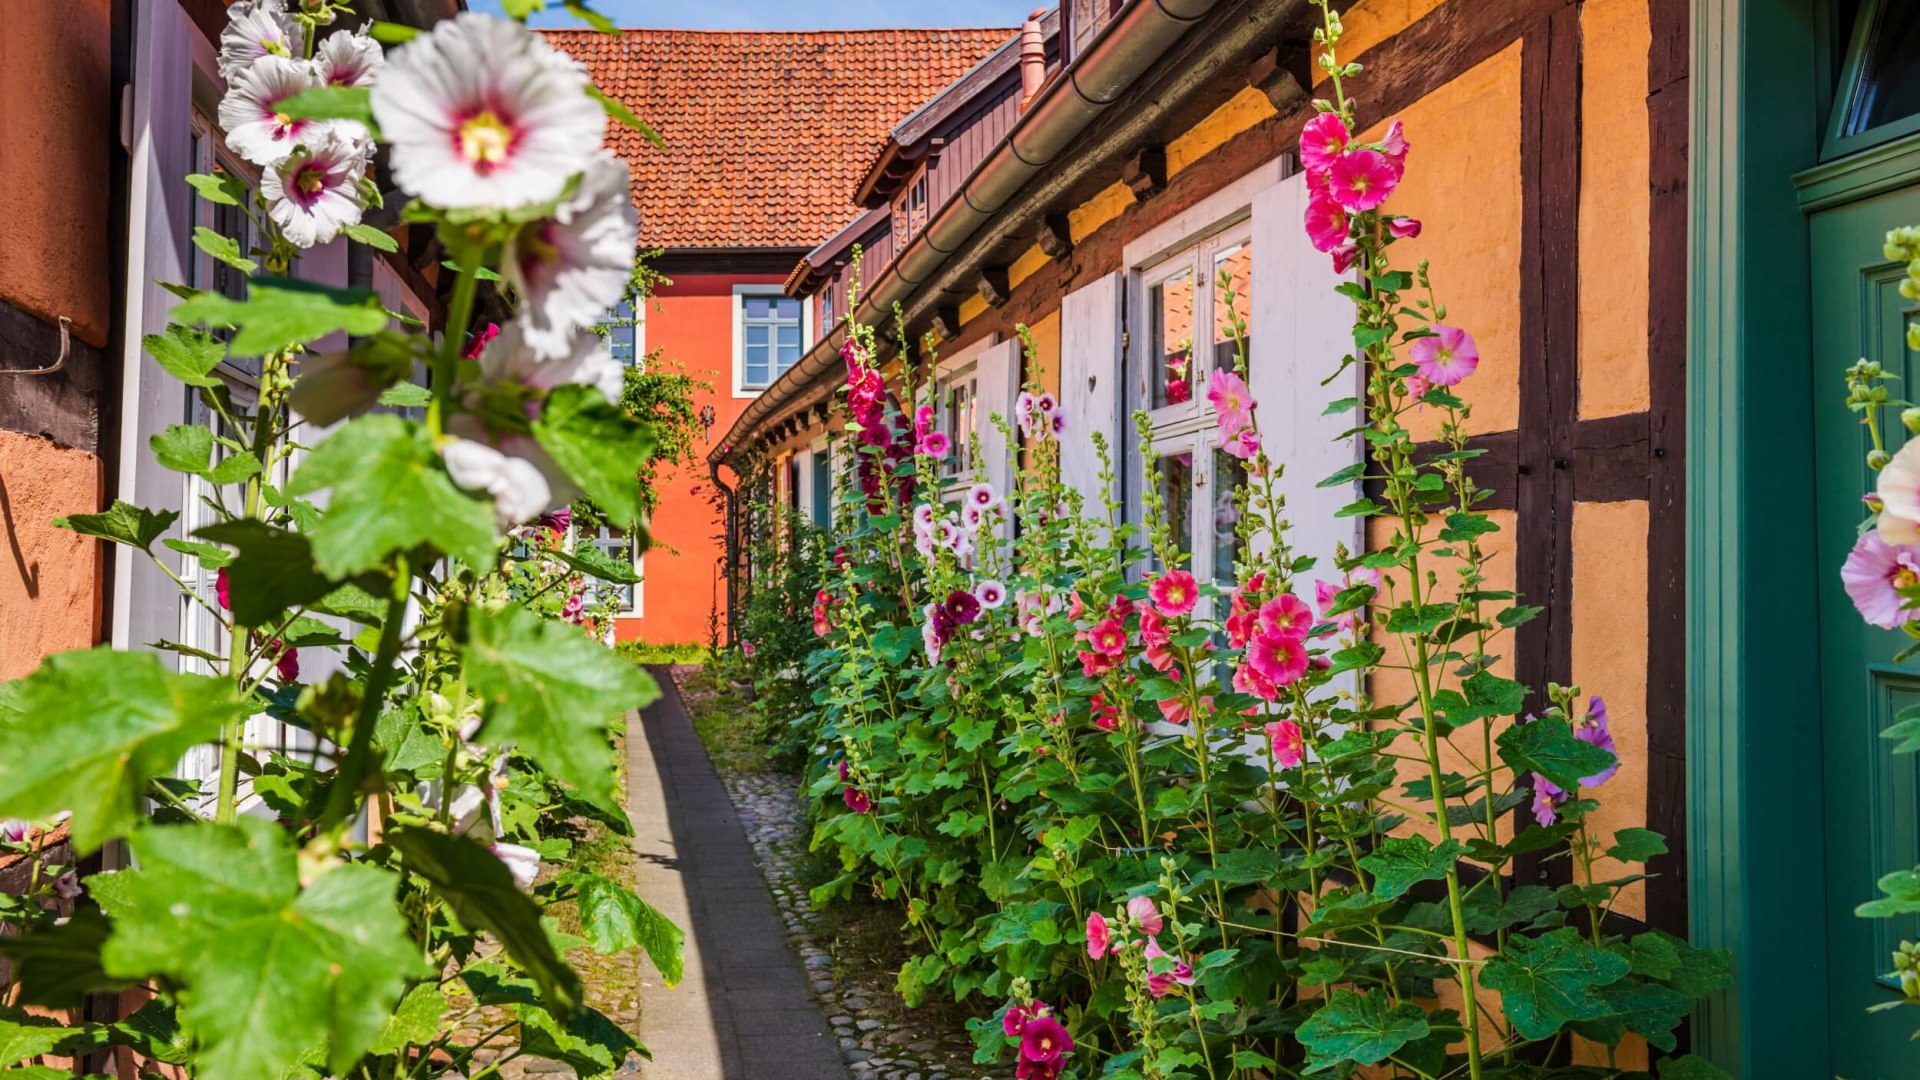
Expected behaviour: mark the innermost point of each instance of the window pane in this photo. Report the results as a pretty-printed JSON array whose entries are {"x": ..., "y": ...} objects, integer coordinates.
[
  {"x": 1232, "y": 302},
  {"x": 790, "y": 335},
  {"x": 1176, "y": 495},
  {"x": 757, "y": 373},
  {"x": 1889, "y": 86},
  {"x": 1171, "y": 372},
  {"x": 785, "y": 309},
  {"x": 1229, "y": 476},
  {"x": 758, "y": 335}
]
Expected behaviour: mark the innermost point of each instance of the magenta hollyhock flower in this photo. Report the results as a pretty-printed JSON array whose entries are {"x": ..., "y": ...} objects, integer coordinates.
[
  {"x": 1404, "y": 228},
  {"x": 1096, "y": 664},
  {"x": 1346, "y": 257},
  {"x": 1178, "y": 392},
  {"x": 1247, "y": 679},
  {"x": 1244, "y": 444},
  {"x": 1874, "y": 574},
  {"x": 857, "y": 800},
  {"x": 1106, "y": 715},
  {"x": 1289, "y": 745},
  {"x": 1361, "y": 180},
  {"x": 221, "y": 589},
  {"x": 845, "y": 771},
  {"x": 1099, "y": 938},
  {"x": 1279, "y": 658},
  {"x": 1018, "y": 1016},
  {"x": 935, "y": 445},
  {"x": 1447, "y": 357},
  {"x": 1327, "y": 223},
  {"x": 1036, "y": 1070},
  {"x": 1162, "y": 984},
  {"x": 1232, "y": 402},
  {"x": 1394, "y": 145},
  {"x": 1045, "y": 1041},
  {"x": 1174, "y": 710},
  {"x": 1145, "y": 914},
  {"x": 1322, "y": 142},
  {"x": 1108, "y": 636},
  {"x": 288, "y": 665},
  {"x": 1175, "y": 593},
  {"x": 962, "y": 607},
  {"x": 1286, "y": 615},
  {"x": 922, "y": 421},
  {"x": 1153, "y": 629}
]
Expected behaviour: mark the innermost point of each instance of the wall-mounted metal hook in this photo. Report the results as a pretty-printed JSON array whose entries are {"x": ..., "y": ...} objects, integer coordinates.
[{"x": 66, "y": 349}]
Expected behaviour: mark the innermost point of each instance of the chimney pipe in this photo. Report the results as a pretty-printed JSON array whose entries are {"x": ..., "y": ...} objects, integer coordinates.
[{"x": 1033, "y": 58}]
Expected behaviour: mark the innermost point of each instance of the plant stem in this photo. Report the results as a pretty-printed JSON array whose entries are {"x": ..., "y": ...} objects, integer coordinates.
[
  {"x": 353, "y": 770},
  {"x": 459, "y": 314}
]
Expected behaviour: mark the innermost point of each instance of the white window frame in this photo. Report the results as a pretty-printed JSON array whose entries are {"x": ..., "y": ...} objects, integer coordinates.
[
  {"x": 961, "y": 370},
  {"x": 637, "y": 608},
  {"x": 639, "y": 329},
  {"x": 740, "y": 295}
]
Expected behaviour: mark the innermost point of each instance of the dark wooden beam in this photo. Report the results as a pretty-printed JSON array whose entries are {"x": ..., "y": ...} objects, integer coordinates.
[
  {"x": 1056, "y": 236},
  {"x": 1146, "y": 172},
  {"x": 1283, "y": 73},
  {"x": 993, "y": 286},
  {"x": 946, "y": 322}
]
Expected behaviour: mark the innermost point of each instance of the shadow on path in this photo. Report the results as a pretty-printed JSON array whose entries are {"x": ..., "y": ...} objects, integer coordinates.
[{"x": 743, "y": 1011}]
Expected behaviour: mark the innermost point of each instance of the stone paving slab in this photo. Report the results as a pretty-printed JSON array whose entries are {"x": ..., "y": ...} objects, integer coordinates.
[{"x": 743, "y": 1011}]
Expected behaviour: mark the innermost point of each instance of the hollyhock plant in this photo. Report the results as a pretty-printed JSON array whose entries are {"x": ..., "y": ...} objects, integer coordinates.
[
  {"x": 571, "y": 267},
  {"x": 347, "y": 59},
  {"x": 1099, "y": 937},
  {"x": 1145, "y": 915},
  {"x": 856, "y": 800},
  {"x": 1174, "y": 593},
  {"x": 1232, "y": 402},
  {"x": 1322, "y": 142},
  {"x": 1874, "y": 575},
  {"x": 250, "y": 113},
  {"x": 991, "y": 594},
  {"x": 519, "y": 490},
  {"x": 1287, "y": 743},
  {"x": 317, "y": 190},
  {"x": 1898, "y": 489},
  {"x": 482, "y": 112},
  {"x": 1361, "y": 180},
  {"x": 1446, "y": 357},
  {"x": 256, "y": 29},
  {"x": 1328, "y": 225},
  {"x": 1287, "y": 616}
]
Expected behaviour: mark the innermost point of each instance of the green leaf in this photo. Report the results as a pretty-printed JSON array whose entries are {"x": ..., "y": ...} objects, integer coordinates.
[
  {"x": 619, "y": 111},
  {"x": 332, "y": 103},
  {"x": 1362, "y": 1028},
  {"x": 551, "y": 690},
  {"x": 1549, "y": 981},
  {"x": 183, "y": 448},
  {"x": 615, "y": 920},
  {"x": 58, "y": 965},
  {"x": 1547, "y": 746},
  {"x": 1690, "y": 1068},
  {"x": 1242, "y": 866},
  {"x": 588, "y": 1041},
  {"x": 1649, "y": 1010},
  {"x": 269, "y": 972},
  {"x": 223, "y": 189},
  {"x": 598, "y": 445},
  {"x": 405, "y": 744},
  {"x": 1637, "y": 845},
  {"x": 406, "y": 396},
  {"x": 1902, "y": 896},
  {"x": 122, "y": 523},
  {"x": 392, "y": 33},
  {"x": 1463, "y": 526},
  {"x": 153, "y": 1031},
  {"x": 1487, "y": 914},
  {"x": 481, "y": 893},
  {"x": 31, "y": 1038},
  {"x": 594, "y": 562},
  {"x": 416, "y": 1021},
  {"x": 233, "y": 469},
  {"x": 1905, "y": 729},
  {"x": 223, "y": 249},
  {"x": 273, "y": 572},
  {"x": 390, "y": 493},
  {"x": 1421, "y": 619},
  {"x": 93, "y": 727},
  {"x": 1400, "y": 862},
  {"x": 187, "y": 354},
  {"x": 281, "y": 312},
  {"x": 372, "y": 237}
]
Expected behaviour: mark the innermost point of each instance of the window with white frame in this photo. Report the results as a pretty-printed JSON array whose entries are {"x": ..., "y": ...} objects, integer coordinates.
[
  {"x": 769, "y": 336},
  {"x": 613, "y": 543},
  {"x": 958, "y": 419},
  {"x": 1192, "y": 302},
  {"x": 623, "y": 334}
]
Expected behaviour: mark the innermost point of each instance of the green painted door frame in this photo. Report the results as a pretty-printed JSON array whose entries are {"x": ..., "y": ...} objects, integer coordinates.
[{"x": 1753, "y": 695}]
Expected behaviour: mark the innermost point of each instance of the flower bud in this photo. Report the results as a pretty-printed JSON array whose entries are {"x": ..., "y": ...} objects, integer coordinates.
[{"x": 1878, "y": 459}]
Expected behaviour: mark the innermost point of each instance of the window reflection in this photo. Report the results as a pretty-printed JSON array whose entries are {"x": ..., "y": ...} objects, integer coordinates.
[
  {"x": 1232, "y": 302},
  {"x": 1888, "y": 87},
  {"x": 1229, "y": 476},
  {"x": 1176, "y": 494},
  {"x": 1172, "y": 372}
]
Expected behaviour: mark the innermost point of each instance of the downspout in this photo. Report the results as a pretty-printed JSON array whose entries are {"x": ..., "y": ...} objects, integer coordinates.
[{"x": 733, "y": 547}]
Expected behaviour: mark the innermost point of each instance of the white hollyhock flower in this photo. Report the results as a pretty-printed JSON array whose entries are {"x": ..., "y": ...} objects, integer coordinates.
[
  {"x": 316, "y": 191},
  {"x": 348, "y": 59},
  {"x": 257, "y": 28},
  {"x": 250, "y": 113},
  {"x": 518, "y": 489},
  {"x": 483, "y": 112},
  {"x": 522, "y": 862},
  {"x": 521, "y": 447},
  {"x": 1899, "y": 491},
  {"x": 569, "y": 269},
  {"x": 584, "y": 360}
]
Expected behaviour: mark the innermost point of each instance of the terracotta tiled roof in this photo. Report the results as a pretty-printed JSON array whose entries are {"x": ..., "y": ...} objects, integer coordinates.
[{"x": 767, "y": 134}]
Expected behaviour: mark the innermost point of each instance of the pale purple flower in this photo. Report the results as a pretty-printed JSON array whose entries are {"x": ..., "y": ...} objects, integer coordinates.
[
  {"x": 251, "y": 116},
  {"x": 318, "y": 189},
  {"x": 256, "y": 29},
  {"x": 991, "y": 594},
  {"x": 1874, "y": 574},
  {"x": 983, "y": 496},
  {"x": 522, "y": 862}
]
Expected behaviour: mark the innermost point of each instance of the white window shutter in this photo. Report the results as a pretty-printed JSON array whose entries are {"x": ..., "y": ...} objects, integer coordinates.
[
  {"x": 1090, "y": 380},
  {"x": 997, "y": 384},
  {"x": 1300, "y": 330}
]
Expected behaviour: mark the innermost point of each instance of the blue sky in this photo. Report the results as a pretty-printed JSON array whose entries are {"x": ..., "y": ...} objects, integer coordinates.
[{"x": 790, "y": 14}]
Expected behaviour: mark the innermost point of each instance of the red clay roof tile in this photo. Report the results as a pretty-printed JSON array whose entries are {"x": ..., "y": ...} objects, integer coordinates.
[{"x": 767, "y": 133}]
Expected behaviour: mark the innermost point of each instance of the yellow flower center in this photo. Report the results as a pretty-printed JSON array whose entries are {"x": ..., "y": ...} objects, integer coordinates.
[
  {"x": 485, "y": 139},
  {"x": 1905, "y": 578},
  {"x": 311, "y": 181},
  {"x": 281, "y": 119},
  {"x": 276, "y": 47}
]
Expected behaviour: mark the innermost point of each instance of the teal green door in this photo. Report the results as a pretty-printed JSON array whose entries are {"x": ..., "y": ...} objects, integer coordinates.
[{"x": 1871, "y": 797}]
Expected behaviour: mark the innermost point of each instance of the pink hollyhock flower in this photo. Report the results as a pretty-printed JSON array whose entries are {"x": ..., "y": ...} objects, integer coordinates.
[
  {"x": 221, "y": 589},
  {"x": 1874, "y": 574},
  {"x": 1119, "y": 607},
  {"x": 1361, "y": 180},
  {"x": 1106, "y": 715},
  {"x": 935, "y": 445},
  {"x": 1174, "y": 710},
  {"x": 1546, "y": 800},
  {"x": 1096, "y": 664},
  {"x": 477, "y": 343},
  {"x": 1403, "y": 228},
  {"x": 1286, "y": 615},
  {"x": 1394, "y": 145},
  {"x": 1153, "y": 629},
  {"x": 1160, "y": 658},
  {"x": 1045, "y": 1041},
  {"x": 1281, "y": 659},
  {"x": 1447, "y": 357},
  {"x": 1244, "y": 444},
  {"x": 1057, "y": 422},
  {"x": 857, "y": 800},
  {"x": 746, "y": 649},
  {"x": 1240, "y": 628},
  {"x": 922, "y": 421},
  {"x": 1232, "y": 402},
  {"x": 845, "y": 771},
  {"x": 1346, "y": 257},
  {"x": 1325, "y": 593},
  {"x": 1099, "y": 938},
  {"x": 1247, "y": 679},
  {"x": 1108, "y": 636},
  {"x": 1077, "y": 607},
  {"x": 991, "y": 594},
  {"x": 288, "y": 665},
  {"x": 983, "y": 496},
  {"x": 1289, "y": 746},
  {"x": 1898, "y": 489},
  {"x": 1145, "y": 914},
  {"x": 1327, "y": 223},
  {"x": 1417, "y": 387},
  {"x": 1595, "y": 729},
  {"x": 1322, "y": 142},
  {"x": 1178, "y": 392},
  {"x": 1162, "y": 984},
  {"x": 1175, "y": 593}
]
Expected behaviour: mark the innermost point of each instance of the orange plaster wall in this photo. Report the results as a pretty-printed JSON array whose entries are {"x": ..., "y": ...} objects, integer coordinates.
[
  {"x": 1463, "y": 183},
  {"x": 1610, "y": 659},
  {"x": 55, "y": 133},
  {"x": 691, "y": 323},
  {"x": 49, "y": 577},
  {"x": 1046, "y": 353},
  {"x": 1615, "y": 208}
]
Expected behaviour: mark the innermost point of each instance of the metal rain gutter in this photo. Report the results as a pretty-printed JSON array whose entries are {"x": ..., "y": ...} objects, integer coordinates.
[{"x": 1066, "y": 107}]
